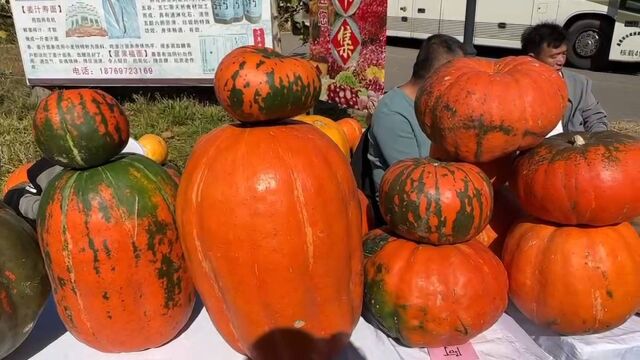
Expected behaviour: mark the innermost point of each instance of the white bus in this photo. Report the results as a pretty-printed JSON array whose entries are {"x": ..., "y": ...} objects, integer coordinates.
[{"x": 598, "y": 30}]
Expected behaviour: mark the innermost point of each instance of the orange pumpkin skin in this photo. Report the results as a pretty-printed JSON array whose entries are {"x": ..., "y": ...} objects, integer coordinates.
[
  {"x": 257, "y": 84},
  {"x": 17, "y": 177},
  {"x": 368, "y": 219},
  {"x": 352, "y": 129},
  {"x": 434, "y": 202},
  {"x": 506, "y": 210},
  {"x": 329, "y": 128},
  {"x": 574, "y": 280},
  {"x": 481, "y": 110},
  {"x": 274, "y": 246},
  {"x": 414, "y": 301},
  {"x": 589, "y": 184},
  {"x": 498, "y": 170}
]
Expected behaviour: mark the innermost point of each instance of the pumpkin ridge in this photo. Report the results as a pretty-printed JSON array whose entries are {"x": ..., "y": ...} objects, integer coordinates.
[
  {"x": 67, "y": 136},
  {"x": 68, "y": 257},
  {"x": 380, "y": 305},
  {"x": 442, "y": 219},
  {"x": 161, "y": 189},
  {"x": 103, "y": 116},
  {"x": 236, "y": 95}
]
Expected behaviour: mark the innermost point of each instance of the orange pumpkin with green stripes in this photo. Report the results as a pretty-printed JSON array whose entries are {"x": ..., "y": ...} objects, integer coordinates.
[
  {"x": 112, "y": 252},
  {"x": 431, "y": 296},
  {"x": 480, "y": 110},
  {"x": 80, "y": 128},
  {"x": 259, "y": 84},
  {"x": 434, "y": 202}
]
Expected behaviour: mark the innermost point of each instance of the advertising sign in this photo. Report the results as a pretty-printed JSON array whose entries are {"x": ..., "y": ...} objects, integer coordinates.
[
  {"x": 134, "y": 42},
  {"x": 348, "y": 43}
]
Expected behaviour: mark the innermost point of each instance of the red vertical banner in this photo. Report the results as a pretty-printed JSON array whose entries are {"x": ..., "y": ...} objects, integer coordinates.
[{"x": 348, "y": 42}]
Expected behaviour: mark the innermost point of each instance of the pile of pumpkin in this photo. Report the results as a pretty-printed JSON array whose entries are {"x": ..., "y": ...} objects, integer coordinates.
[
  {"x": 106, "y": 234},
  {"x": 562, "y": 204},
  {"x": 267, "y": 224}
]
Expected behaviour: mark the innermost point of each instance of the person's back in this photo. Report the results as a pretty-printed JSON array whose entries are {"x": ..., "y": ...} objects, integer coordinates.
[{"x": 395, "y": 133}]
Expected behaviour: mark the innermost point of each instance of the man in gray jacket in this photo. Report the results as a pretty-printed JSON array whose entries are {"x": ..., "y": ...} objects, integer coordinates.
[{"x": 547, "y": 42}]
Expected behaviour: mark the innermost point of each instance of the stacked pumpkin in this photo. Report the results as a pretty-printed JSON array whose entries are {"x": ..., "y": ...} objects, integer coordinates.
[
  {"x": 431, "y": 279},
  {"x": 428, "y": 281},
  {"x": 269, "y": 216},
  {"x": 580, "y": 190},
  {"x": 107, "y": 229},
  {"x": 575, "y": 187}
]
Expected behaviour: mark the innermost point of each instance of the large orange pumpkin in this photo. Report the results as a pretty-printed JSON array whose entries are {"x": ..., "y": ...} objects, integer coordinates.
[
  {"x": 257, "y": 84},
  {"x": 581, "y": 178},
  {"x": 331, "y": 129},
  {"x": 574, "y": 280},
  {"x": 481, "y": 110},
  {"x": 17, "y": 177},
  {"x": 432, "y": 296},
  {"x": 434, "y": 202},
  {"x": 270, "y": 220}
]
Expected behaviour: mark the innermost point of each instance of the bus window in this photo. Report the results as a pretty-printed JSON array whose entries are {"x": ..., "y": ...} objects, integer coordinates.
[{"x": 630, "y": 5}]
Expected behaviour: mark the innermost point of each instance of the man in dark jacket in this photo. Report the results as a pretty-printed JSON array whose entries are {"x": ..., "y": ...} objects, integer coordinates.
[{"x": 547, "y": 42}]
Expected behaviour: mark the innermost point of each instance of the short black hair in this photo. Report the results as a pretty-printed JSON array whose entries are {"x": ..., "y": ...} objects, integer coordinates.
[
  {"x": 535, "y": 38},
  {"x": 432, "y": 48}
]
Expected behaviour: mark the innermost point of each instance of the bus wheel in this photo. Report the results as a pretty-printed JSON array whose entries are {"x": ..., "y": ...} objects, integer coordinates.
[{"x": 589, "y": 43}]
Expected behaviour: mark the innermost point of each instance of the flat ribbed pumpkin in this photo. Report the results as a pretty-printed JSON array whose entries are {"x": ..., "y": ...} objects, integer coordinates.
[
  {"x": 432, "y": 296},
  {"x": 259, "y": 84},
  {"x": 24, "y": 286},
  {"x": 80, "y": 128},
  {"x": 270, "y": 221},
  {"x": 574, "y": 280},
  {"x": 113, "y": 255},
  {"x": 480, "y": 109},
  {"x": 581, "y": 178},
  {"x": 434, "y": 202}
]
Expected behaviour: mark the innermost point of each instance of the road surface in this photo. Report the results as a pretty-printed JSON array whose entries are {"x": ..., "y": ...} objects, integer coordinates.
[{"x": 617, "y": 90}]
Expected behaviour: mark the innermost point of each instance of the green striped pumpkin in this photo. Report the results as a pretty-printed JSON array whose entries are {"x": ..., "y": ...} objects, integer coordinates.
[
  {"x": 80, "y": 128},
  {"x": 24, "y": 286},
  {"x": 112, "y": 251},
  {"x": 434, "y": 202}
]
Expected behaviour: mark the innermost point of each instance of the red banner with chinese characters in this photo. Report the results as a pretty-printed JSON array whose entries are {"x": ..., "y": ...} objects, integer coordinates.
[{"x": 348, "y": 43}]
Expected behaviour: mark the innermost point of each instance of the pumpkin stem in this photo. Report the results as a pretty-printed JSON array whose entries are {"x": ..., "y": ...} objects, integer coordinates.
[{"x": 577, "y": 140}]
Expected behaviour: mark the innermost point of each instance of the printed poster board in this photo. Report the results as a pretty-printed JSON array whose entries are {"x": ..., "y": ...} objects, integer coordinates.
[
  {"x": 348, "y": 41},
  {"x": 134, "y": 42}
]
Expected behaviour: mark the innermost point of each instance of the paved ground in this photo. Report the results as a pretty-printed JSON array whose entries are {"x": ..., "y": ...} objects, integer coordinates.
[{"x": 618, "y": 90}]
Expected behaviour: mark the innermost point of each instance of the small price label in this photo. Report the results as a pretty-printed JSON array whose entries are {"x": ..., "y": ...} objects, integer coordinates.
[{"x": 458, "y": 352}]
